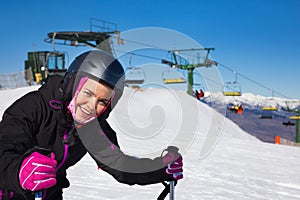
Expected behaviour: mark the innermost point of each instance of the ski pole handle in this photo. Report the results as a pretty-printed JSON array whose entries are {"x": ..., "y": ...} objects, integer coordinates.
[
  {"x": 173, "y": 149},
  {"x": 42, "y": 150},
  {"x": 46, "y": 152}
]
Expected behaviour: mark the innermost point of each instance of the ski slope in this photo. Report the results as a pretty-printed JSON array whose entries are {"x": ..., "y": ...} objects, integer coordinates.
[{"x": 221, "y": 161}]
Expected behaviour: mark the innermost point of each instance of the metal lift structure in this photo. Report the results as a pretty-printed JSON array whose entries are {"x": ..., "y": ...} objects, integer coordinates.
[
  {"x": 295, "y": 117},
  {"x": 134, "y": 76},
  {"x": 97, "y": 37},
  {"x": 169, "y": 77},
  {"x": 187, "y": 66},
  {"x": 232, "y": 88},
  {"x": 45, "y": 63},
  {"x": 269, "y": 107}
]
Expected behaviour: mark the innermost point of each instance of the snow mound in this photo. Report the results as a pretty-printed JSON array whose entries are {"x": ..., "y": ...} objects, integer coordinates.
[{"x": 221, "y": 161}]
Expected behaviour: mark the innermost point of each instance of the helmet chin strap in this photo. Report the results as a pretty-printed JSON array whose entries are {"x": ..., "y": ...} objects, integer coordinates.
[{"x": 72, "y": 105}]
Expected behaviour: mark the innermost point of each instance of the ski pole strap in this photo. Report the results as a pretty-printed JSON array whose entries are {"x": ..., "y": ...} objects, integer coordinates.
[{"x": 165, "y": 191}]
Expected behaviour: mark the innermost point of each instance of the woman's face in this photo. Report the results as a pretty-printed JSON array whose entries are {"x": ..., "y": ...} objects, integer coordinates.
[{"x": 91, "y": 100}]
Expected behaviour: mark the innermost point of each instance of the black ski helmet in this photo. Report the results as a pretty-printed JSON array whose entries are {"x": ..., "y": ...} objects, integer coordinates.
[{"x": 98, "y": 65}]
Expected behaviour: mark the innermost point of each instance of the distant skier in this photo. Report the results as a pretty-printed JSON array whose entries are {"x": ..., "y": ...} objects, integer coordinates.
[
  {"x": 231, "y": 107},
  {"x": 200, "y": 94},
  {"x": 289, "y": 123},
  {"x": 45, "y": 132},
  {"x": 239, "y": 109}
]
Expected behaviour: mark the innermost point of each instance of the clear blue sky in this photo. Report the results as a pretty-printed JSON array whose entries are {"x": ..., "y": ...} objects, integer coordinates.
[{"x": 258, "y": 38}]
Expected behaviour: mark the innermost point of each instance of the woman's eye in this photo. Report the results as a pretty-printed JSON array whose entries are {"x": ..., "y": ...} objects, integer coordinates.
[
  {"x": 102, "y": 103},
  {"x": 87, "y": 93}
]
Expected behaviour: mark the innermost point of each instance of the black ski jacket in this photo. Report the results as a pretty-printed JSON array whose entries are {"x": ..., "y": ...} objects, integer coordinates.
[{"x": 39, "y": 119}]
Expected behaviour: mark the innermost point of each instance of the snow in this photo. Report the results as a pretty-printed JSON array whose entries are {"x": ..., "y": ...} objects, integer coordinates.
[{"x": 221, "y": 161}]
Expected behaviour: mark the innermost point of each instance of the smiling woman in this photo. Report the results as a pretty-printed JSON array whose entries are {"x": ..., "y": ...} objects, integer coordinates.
[
  {"x": 92, "y": 100},
  {"x": 46, "y": 131}
]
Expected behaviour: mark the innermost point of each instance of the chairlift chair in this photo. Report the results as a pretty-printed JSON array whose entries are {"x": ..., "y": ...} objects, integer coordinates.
[
  {"x": 232, "y": 89},
  {"x": 169, "y": 77},
  {"x": 134, "y": 75},
  {"x": 267, "y": 113},
  {"x": 297, "y": 117},
  {"x": 268, "y": 108},
  {"x": 288, "y": 123},
  {"x": 270, "y": 104}
]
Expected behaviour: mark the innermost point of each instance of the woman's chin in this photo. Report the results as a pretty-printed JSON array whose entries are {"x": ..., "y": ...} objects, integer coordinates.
[{"x": 84, "y": 119}]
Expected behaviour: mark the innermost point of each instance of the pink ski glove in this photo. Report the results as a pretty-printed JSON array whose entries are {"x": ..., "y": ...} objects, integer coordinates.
[
  {"x": 174, "y": 165},
  {"x": 38, "y": 172}
]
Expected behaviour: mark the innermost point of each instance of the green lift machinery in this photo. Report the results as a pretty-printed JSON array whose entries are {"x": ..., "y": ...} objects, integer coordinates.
[
  {"x": 45, "y": 63},
  {"x": 189, "y": 67}
]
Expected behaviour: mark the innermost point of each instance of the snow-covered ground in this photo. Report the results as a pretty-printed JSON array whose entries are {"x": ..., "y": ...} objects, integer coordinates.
[{"x": 221, "y": 161}]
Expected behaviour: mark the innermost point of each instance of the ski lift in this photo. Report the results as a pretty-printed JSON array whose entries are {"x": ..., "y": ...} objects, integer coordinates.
[
  {"x": 270, "y": 104},
  {"x": 267, "y": 114},
  {"x": 171, "y": 77},
  {"x": 296, "y": 117},
  {"x": 293, "y": 106},
  {"x": 288, "y": 123},
  {"x": 232, "y": 88},
  {"x": 134, "y": 75},
  {"x": 268, "y": 108}
]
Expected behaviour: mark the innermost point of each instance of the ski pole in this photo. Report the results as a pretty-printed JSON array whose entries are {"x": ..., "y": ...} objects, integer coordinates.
[
  {"x": 172, "y": 190},
  {"x": 169, "y": 188},
  {"x": 44, "y": 151},
  {"x": 174, "y": 150}
]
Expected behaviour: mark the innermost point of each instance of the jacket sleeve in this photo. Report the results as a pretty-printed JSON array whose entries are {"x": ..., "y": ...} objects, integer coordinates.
[
  {"x": 131, "y": 170},
  {"x": 16, "y": 137},
  {"x": 124, "y": 168}
]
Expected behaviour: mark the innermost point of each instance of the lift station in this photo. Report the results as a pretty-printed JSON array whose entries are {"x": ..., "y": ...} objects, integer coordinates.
[{"x": 45, "y": 63}]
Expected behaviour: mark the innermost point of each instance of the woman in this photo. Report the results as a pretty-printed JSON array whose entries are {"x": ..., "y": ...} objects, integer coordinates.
[{"x": 46, "y": 131}]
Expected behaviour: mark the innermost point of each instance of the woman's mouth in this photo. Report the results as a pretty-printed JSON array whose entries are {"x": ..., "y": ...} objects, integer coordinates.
[{"x": 86, "y": 113}]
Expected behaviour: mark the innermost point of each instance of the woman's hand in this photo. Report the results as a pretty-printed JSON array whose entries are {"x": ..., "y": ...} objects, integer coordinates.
[
  {"x": 173, "y": 161},
  {"x": 38, "y": 172}
]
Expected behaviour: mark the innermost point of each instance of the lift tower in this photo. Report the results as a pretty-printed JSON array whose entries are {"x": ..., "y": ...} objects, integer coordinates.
[
  {"x": 190, "y": 67},
  {"x": 296, "y": 117}
]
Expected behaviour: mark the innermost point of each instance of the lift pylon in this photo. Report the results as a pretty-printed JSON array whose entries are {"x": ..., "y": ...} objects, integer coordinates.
[
  {"x": 296, "y": 117},
  {"x": 187, "y": 66}
]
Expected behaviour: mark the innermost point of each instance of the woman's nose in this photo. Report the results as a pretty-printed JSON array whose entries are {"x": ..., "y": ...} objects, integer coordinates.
[{"x": 92, "y": 104}]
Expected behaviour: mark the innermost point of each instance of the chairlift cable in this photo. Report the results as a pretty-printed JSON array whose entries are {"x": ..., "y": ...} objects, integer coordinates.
[
  {"x": 219, "y": 64},
  {"x": 141, "y": 55},
  {"x": 251, "y": 80}
]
